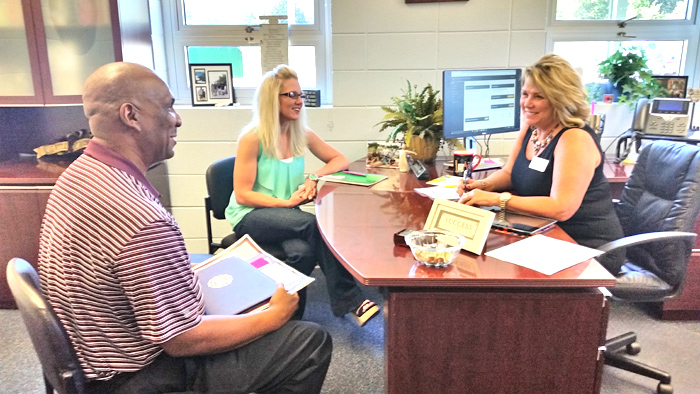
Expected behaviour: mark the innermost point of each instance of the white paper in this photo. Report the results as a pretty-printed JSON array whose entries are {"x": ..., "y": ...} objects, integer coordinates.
[
  {"x": 445, "y": 193},
  {"x": 274, "y": 46},
  {"x": 283, "y": 273},
  {"x": 544, "y": 254},
  {"x": 247, "y": 250}
]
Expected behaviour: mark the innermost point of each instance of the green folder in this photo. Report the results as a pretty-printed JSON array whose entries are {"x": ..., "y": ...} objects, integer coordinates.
[{"x": 352, "y": 179}]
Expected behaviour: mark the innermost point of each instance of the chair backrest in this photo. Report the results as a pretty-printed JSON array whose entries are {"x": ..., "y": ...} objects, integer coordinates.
[
  {"x": 220, "y": 185},
  {"x": 662, "y": 194},
  {"x": 59, "y": 363}
]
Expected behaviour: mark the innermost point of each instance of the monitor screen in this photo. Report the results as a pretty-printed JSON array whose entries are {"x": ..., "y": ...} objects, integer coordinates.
[{"x": 480, "y": 102}]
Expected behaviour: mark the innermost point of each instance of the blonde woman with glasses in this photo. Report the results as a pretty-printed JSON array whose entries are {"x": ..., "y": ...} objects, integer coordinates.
[{"x": 269, "y": 186}]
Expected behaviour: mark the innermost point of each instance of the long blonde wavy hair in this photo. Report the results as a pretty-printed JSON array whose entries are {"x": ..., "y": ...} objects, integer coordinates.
[
  {"x": 266, "y": 115},
  {"x": 559, "y": 83}
]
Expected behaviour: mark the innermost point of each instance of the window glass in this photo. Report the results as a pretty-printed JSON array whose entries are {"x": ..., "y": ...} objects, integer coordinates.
[
  {"x": 246, "y": 65},
  {"x": 246, "y": 12},
  {"x": 78, "y": 40},
  {"x": 622, "y": 9},
  {"x": 664, "y": 57},
  {"x": 227, "y": 31}
]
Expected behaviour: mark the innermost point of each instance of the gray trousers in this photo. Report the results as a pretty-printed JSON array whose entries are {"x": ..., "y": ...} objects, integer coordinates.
[{"x": 293, "y": 359}]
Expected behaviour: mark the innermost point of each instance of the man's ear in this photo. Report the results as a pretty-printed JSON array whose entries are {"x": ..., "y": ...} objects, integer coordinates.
[{"x": 129, "y": 115}]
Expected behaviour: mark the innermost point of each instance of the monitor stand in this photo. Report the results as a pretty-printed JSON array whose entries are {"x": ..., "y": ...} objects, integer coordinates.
[
  {"x": 470, "y": 143},
  {"x": 486, "y": 163}
]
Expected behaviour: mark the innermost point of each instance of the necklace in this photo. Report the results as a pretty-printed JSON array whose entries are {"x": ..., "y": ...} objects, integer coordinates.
[{"x": 539, "y": 144}]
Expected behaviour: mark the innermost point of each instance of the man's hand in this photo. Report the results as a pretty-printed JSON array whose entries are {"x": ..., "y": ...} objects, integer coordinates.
[{"x": 283, "y": 304}]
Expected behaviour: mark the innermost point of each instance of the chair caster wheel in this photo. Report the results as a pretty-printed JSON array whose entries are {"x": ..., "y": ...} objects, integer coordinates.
[
  {"x": 663, "y": 388},
  {"x": 633, "y": 348}
]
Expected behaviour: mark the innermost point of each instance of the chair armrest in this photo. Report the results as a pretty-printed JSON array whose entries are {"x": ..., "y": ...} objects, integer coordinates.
[{"x": 647, "y": 238}]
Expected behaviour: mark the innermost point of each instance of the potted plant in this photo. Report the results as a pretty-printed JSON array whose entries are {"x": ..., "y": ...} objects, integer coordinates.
[
  {"x": 629, "y": 75},
  {"x": 417, "y": 121}
]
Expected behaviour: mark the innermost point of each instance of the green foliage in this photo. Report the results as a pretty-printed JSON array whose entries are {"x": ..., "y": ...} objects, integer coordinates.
[
  {"x": 628, "y": 71},
  {"x": 643, "y": 9},
  {"x": 415, "y": 113},
  {"x": 667, "y": 6},
  {"x": 593, "y": 10}
]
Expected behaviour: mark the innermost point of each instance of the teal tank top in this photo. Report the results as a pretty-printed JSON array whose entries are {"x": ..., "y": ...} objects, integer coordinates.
[{"x": 275, "y": 177}]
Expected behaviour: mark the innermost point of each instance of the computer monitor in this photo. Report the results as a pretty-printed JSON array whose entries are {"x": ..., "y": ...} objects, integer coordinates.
[{"x": 478, "y": 102}]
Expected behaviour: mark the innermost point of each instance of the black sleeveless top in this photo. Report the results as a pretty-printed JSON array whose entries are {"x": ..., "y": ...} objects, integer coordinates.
[{"x": 595, "y": 222}]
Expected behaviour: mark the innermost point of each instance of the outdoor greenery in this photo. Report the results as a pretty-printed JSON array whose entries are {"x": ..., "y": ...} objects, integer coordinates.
[
  {"x": 627, "y": 70},
  {"x": 644, "y": 9}
]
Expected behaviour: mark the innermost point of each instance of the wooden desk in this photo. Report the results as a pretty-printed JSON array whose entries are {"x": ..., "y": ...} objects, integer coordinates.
[
  {"x": 479, "y": 326},
  {"x": 687, "y": 305}
]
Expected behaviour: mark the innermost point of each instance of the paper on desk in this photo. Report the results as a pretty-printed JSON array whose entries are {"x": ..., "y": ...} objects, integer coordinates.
[
  {"x": 442, "y": 192},
  {"x": 544, "y": 254},
  {"x": 445, "y": 180}
]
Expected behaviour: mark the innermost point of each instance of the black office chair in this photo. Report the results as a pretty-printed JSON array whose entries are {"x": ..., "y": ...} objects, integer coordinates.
[
  {"x": 62, "y": 371},
  {"x": 219, "y": 179},
  {"x": 658, "y": 209}
]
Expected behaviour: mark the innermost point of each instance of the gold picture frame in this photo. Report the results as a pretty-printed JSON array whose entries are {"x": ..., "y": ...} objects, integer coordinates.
[{"x": 470, "y": 222}]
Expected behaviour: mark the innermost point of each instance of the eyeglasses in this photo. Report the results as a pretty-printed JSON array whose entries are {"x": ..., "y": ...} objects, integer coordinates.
[{"x": 293, "y": 95}]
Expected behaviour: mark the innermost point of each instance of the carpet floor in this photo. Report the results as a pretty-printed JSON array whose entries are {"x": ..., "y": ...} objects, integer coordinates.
[{"x": 358, "y": 358}]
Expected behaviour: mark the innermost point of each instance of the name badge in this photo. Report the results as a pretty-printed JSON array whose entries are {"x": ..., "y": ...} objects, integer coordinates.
[{"x": 539, "y": 164}]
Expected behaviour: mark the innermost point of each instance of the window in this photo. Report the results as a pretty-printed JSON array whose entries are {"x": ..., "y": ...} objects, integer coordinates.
[
  {"x": 586, "y": 32},
  {"x": 228, "y": 31},
  {"x": 579, "y": 10}
]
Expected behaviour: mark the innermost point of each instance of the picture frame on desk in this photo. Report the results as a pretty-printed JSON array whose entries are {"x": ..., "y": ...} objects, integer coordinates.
[
  {"x": 676, "y": 85},
  {"x": 313, "y": 98},
  {"x": 211, "y": 85},
  {"x": 470, "y": 222}
]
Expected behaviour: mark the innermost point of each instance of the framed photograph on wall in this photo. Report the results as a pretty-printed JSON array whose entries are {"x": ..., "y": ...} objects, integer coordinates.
[
  {"x": 677, "y": 85},
  {"x": 211, "y": 85}
]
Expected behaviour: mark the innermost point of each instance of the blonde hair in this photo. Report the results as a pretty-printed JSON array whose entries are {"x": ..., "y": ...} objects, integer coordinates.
[
  {"x": 559, "y": 83},
  {"x": 266, "y": 115}
]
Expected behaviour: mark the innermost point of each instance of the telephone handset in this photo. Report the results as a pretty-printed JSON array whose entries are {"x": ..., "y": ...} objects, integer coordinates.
[
  {"x": 627, "y": 139},
  {"x": 641, "y": 114}
]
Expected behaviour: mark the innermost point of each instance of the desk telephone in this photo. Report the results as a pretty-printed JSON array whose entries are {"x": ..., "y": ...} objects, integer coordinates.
[
  {"x": 658, "y": 118},
  {"x": 662, "y": 116}
]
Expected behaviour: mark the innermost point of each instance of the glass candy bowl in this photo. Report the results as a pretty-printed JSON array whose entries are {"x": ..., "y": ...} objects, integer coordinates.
[{"x": 435, "y": 248}]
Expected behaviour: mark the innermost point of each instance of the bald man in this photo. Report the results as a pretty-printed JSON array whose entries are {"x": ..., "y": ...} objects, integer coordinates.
[{"x": 114, "y": 267}]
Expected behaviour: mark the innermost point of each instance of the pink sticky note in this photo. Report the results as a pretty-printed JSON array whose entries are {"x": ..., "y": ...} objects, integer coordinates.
[{"x": 259, "y": 263}]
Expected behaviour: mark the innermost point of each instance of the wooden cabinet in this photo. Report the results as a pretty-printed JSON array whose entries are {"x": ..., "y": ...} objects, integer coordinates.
[
  {"x": 24, "y": 191},
  {"x": 21, "y": 211},
  {"x": 687, "y": 305},
  {"x": 55, "y": 46}
]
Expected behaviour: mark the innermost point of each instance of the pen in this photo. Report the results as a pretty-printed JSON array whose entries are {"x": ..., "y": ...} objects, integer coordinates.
[
  {"x": 467, "y": 174},
  {"x": 354, "y": 173}
]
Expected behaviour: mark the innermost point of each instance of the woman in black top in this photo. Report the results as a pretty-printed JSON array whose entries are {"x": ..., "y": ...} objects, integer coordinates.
[{"x": 555, "y": 168}]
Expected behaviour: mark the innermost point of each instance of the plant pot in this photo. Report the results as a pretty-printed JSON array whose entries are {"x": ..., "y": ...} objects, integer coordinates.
[{"x": 426, "y": 150}]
